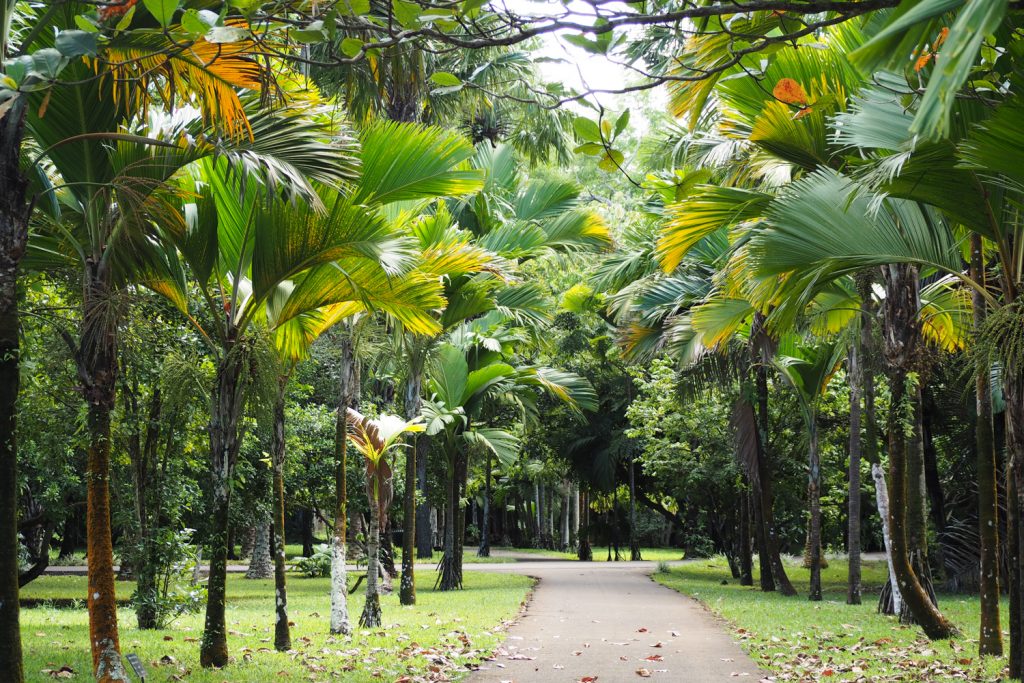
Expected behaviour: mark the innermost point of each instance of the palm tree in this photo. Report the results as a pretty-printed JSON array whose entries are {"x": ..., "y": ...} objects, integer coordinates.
[
  {"x": 111, "y": 175},
  {"x": 512, "y": 220},
  {"x": 251, "y": 272},
  {"x": 436, "y": 256},
  {"x": 14, "y": 219},
  {"x": 376, "y": 440},
  {"x": 462, "y": 378},
  {"x": 808, "y": 371}
]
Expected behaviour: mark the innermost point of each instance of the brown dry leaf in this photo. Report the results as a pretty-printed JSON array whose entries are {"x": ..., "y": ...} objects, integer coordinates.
[
  {"x": 643, "y": 673},
  {"x": 789, "y": 91}
]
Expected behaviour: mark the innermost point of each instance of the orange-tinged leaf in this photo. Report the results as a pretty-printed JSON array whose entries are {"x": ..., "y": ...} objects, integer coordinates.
[{"x": 789, "y": 91}]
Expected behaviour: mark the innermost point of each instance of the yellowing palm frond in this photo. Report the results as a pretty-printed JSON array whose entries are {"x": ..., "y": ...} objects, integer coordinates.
[{"x": 205, "y": 75}]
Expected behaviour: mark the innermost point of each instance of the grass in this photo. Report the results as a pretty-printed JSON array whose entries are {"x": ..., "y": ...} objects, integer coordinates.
[
  {"x": 444, "y": 631},
  {"x": 812, "y": 641}
]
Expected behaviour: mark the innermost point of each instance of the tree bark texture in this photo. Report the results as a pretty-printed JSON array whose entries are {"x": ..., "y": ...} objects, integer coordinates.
[
  {"x": 282, "y": 636},
  {"x": 1014, "y": 395},
  {"x": 764, "y": 474},
  {"x": 902, "y": 341},
  {"x": 853, "y": 577},
  {"x": 14, "y": 214},
  {"x": 990, "y": 638},
  {"x": 225, "y": 415},
  {"x": 348, "y": 397},
  {"x": 413, "y": 403},
  {"x": 97, "y": 370},
  {"x": 814, "y": 492}
]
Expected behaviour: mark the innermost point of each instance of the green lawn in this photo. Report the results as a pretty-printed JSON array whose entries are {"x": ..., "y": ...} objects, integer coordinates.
[
  {"x": 446, "y": 630},
  {"x": 830, "y": 640}
]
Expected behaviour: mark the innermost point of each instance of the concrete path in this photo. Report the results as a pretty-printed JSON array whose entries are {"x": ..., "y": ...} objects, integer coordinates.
[{"x": 610, "y": 622}]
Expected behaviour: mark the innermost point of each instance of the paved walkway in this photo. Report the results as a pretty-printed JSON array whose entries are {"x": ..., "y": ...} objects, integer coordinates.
[{"x": 610, "y": 622}]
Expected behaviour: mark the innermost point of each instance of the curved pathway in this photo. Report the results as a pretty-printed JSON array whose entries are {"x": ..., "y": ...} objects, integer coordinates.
[{"x": 610, "y": 622}]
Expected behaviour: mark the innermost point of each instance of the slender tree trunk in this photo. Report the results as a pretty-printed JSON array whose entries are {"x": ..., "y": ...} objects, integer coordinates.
[
  {"x": 778, "y": 570},
  {"x": 447, "y": 578},
  {"x": 917, "y": 502},
  {"x": 145, "y": 610},
  {"x": 902, "y": 339},
  {"x": 424, "y": 528},
  {"x": 14, "y": 215},
  {"x": 990, "y": 639},
  {"x": 746, "y": 560},
  {"x": 1014, "y": 395},
  {"x": 485, "y": 524},
  {"x": 853, "y": 579},
  {"x": 226, "y": 413},
  {"x": 371, "y": 616},
  {"x": 584, "y": 550},
  {"x": 634, "y": 544},
  {"x": 893, "y": 602},
  {"x": 574, "y": 510},
  {"x": 413, "y": 403},
  {"x": 282, "y": 636},
  {"x": 565, "y": 514},
  {"x": 814, "y": 491},
  {"x": 97, "y": 368},
  {"x": 348, "y": 397},
  {"x": 777, "y": 574}
]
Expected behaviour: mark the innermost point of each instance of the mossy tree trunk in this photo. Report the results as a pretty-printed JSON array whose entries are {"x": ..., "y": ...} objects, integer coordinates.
[
  {"x": 282, "y": 636},
  {"x": 14, "y": 215},
  {"x": 1014, "y": 395},
  {"x": 226, "y": 410},
  {"x": 778, "y": 574},
  {"x": 902, "y": 341},
  {"x": 990, "y": 639},
  {"x": 97, "y": 370}
]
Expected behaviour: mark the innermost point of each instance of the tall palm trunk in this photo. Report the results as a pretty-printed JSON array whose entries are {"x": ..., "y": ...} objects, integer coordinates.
[
  {"x": 282, "y": 637},
  {"x": 446, "y": 578},
  {"x": 485, "y": 524},
  {"x": 225, "y": 414},
  {"x": 14, "y": 214},
  {"x": 1014, "y": 395},
  {"x": 746, "y": 560},
  {"x": 634, "y": 543},
  {"x": 764, "y": 476},
  {"x": 916, "y": 513},
  {"x": 348, "y": 397},
  {"x": 584, "y": 552},
  {"x": 814, "y": 491},
  {"x": 990, "y": 639},
  {"x": 853, "y": 577},
  {"x": 97, "y": 370},
  {"x": 413, "y": 403},
  {"x": 902, "y": 342},
  {"x": 371, "y": 616}
]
